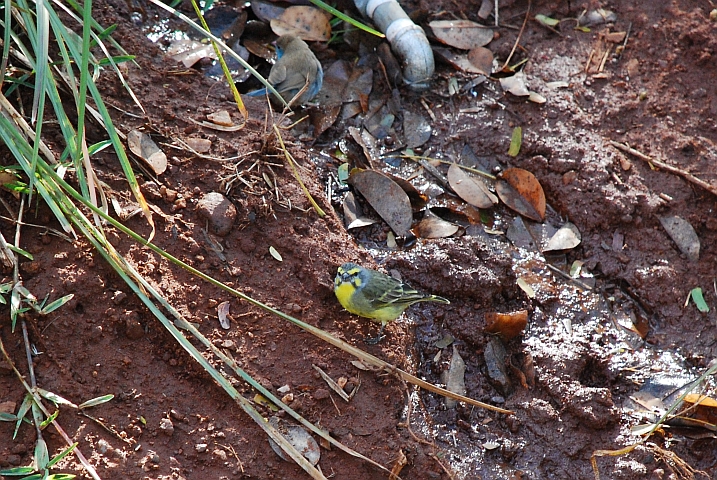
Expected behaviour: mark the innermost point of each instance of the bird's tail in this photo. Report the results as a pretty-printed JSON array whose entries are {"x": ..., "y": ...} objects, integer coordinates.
[{"x": 256, "y": 93}]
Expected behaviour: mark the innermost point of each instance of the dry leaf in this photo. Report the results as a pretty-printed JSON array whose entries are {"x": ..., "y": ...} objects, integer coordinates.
[
  {"x": 223, "y": 314},
  {"x": 567, "y": 237},
  {"x": 144, "y": 147},
  {"x": 470, "y": 189},
  {"x": 386, "y": 197},
  {"x": 462, "y": 34},
  {"x": 682, "y": 233},
  {"x": 433, "y": 226},
  {"x": 221, "y": 117},
  {"x": 308, "y": 23},
  {"x": 507, "y": 325},
  {"x": 482, "y": 59},
  {"x": 521, "y": 191},
  {"x": 454, "y": 378}
]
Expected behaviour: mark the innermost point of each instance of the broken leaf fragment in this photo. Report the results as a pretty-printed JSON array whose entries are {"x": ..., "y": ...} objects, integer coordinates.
[
  {"x": 547, "y": 21},
  {"x": 223, "y": 314},
  {"x": 454, "y": 377},
  {"x": 682, "y": 233},
  {"x": 298, "y": 438},
  {"x": 522, "y": 192},
  {"x": 275, "y": 254},
  {"x": 699, "y": 299},
  {"x": 144, "y": 147},
  {"x": 566, "y": 238},
  {"x": 462, "y": 34},
  {"x": 386, "y": 197},
  {"x": 516, "y": 140},
  {"x": 221, "y": 117},
  {"x": 470, "y": 189}
]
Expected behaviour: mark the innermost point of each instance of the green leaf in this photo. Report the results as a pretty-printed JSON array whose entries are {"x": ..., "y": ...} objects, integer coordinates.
[
  {"x": 343, "y": 173},
  {"x": 547, "y": 21},
  {"x": 49, "y": 420},
  {"x": 54, "y": 398},
  {"x": 62, "y": 455},
  {"x": 7, "y": 417},
  {"x": 42, "y": 456},
  {"x": 22, "y": 411},
  {"x": 17, "y": 471},
  {"x": 96, "y": 401},
  {"x": 516, "y": 141},
  {"x": 61, "y": 476},
  {"x": 20, "y": 251},
  {"x": 699, "y": 300},
  {"x": 56, "y": 304}
]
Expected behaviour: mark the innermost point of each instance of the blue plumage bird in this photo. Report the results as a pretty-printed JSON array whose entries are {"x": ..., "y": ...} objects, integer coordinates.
[{"x": 296, "y": 70}]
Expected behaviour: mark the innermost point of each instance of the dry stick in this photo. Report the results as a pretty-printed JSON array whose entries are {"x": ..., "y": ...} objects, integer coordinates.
[
  {"x": 520, "y": 34},
  {"x": 686, "y": 175}
]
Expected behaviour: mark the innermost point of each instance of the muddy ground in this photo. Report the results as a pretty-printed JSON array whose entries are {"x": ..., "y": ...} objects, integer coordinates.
[{"x": 659, "y": 96}]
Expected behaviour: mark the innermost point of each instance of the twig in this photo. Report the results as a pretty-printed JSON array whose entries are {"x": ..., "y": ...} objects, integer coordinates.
[
  {"x": 686, "y": 175},
  {"x": 520, "y": 34}
]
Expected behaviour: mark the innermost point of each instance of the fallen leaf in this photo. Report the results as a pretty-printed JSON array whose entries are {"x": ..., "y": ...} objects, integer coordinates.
[
  {"x": 189, "y": 52},
  {"x": 699, "y": 299},
  {"x": 386, "y": 197},
  {"x": 454, "y": 378},
  {"x": 433, "y": 226},
  {"x": 567, "y": 237},
  {"x": 144, "y": 147},
  {"x": 221, "y": 117},
  {"x": 516, "y": 140},
  {"x": 223, "y": 314},
  {"x": 457, "y": 60},
  {"x": 275, "y": 254},
  {"x": 470, "y": 189},
  {"x": 416, "y": 129},
  {"x": 353, "y": 215},
  {"x": 682, "y": 233},
  {"x": 462, "y": 34},
  {"x": 299, "y": 438},
  {"x": 199, "y": 145},
  {"x": 547, "y": 21},
  {"x": 482, "y": 59},
  {"x": 521, "y": 191},
  {"x": 525, "y": 286},
  {"x": 515, "y": 84},
  {"x": 308, "y": 23},
  {"x": 507, "y": 325}
]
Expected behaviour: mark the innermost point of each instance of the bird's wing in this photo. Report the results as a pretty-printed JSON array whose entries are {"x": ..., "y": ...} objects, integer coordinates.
[{"x": 277, "y": 75}]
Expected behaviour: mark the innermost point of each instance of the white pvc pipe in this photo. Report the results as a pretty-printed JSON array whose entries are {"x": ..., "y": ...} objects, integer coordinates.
[{"x": 408, "y": 41}]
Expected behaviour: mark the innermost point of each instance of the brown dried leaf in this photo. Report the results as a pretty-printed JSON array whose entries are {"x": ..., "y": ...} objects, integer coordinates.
[
  {"x": 462, "y": 34},
  {"x": 521, "y": 191},
  {"x": 386, "y": 197},
  {"x": 507, "y": 325},
  {"x": 308, "y": 23},
  {"x": 144, "y": 147},
  {"x": 470, "y": 189},
  {"x": 433, "y": 226},
  {"x": 482, "y": 59},
  {"x": 221, "y": 117}
]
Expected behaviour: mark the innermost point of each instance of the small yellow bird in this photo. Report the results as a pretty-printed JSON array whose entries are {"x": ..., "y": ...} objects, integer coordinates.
[{"x": 375, "y": 295}]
